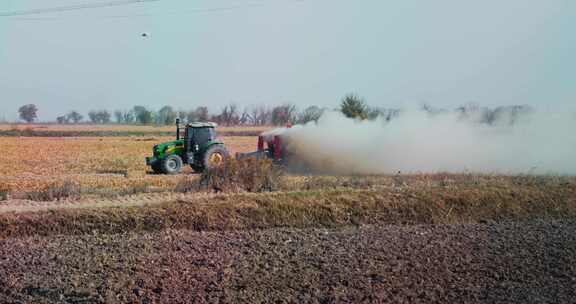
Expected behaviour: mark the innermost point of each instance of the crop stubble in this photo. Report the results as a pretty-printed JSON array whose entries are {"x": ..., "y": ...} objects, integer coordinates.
[{"x": 29, "y": 164}]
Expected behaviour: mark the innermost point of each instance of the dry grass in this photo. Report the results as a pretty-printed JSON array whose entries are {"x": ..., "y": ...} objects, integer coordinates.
[
  {"x": 251, "y": 175},
  {"x": 30, "y": 164},
  {"x": 48, "y": 169},
  {"x": 303, "y": 201},
  {"x": 56, "y": 191},
  {"x": 5, "y": 191},
  {"x": 235, "y": 176},
  {"x": 313, "y": 208}
]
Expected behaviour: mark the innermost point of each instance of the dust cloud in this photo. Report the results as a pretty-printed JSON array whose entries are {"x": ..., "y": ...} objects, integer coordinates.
[{"x": 417, "y": 141}]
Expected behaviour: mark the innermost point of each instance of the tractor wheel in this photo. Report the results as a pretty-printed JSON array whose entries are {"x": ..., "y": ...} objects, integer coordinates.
[
  {"x": 172, "y": 164},
  {"x": 215, "y": 156}
]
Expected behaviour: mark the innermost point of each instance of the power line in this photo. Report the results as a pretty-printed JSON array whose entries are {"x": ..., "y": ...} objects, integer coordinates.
[
  {"x": 83, "y": 6},
  {"x": 248, "y": 5},
  {"x": 127, "y": 16}
]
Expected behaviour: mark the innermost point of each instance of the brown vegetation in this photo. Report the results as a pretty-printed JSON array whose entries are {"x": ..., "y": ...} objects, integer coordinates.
[
  {"x": 4, "y": 191},
  {"x": 95, "y": 163},
  {"x": 251, "y": 175},
  {"x": 311, "y": 208},
  {"x": 56, "y": 191}
]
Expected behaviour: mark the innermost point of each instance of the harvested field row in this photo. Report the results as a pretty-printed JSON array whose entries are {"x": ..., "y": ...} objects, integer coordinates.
[
  {"x": 511, "y": 262},
  {"x": 103, "y": 189},
  {"x": 142, "y": 199},
  {"x": 29, "y": 164},
  {"x": 302, "y": 209}
]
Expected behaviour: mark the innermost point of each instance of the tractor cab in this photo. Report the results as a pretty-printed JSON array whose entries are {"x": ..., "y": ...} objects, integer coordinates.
[
  {"x": 198, "y": 148},
  {"x": 198, "y": 134}
]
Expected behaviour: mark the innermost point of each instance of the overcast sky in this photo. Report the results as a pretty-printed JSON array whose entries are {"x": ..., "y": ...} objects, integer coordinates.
[{"x": 444, "y": 52}]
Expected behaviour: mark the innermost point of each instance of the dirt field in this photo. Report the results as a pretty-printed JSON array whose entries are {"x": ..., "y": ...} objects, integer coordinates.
[
  {"x": 530, "y": 262},
  {"x": 497, "y": 240}
]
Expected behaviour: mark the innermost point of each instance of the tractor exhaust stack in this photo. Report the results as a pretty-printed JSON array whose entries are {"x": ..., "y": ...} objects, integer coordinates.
[{"x": 177, "y": 128}]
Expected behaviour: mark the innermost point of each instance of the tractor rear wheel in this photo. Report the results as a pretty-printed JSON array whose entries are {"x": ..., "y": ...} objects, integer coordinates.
[
  {"x": 171, "y": 164},
  {"x": 215, "y": 156}
]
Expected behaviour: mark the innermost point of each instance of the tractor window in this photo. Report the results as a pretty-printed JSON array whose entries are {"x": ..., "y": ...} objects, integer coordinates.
[{"x": 203, "y": 135}]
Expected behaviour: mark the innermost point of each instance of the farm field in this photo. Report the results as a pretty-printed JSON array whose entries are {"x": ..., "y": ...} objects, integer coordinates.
[
  {"x": 510, "y": 262},
  {"x": 31, "y": 163},
  {"x": 287, "y": 152},
  {"x": 444, "y": 244},
  {"x": 135, "y": 237}
]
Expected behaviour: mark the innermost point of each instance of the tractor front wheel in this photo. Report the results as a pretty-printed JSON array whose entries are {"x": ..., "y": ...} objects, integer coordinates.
[
  {"x": 215, "y": 156},
  {"x": 171, "y": 164}
]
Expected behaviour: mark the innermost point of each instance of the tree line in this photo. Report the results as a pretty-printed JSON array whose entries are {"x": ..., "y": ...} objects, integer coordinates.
[
  {"x": 351, "y": 106},
  {"x": 229, "y": 115}
]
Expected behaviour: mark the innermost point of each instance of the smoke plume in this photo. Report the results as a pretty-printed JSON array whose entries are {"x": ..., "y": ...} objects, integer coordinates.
[{"x": 418, "y": 141}]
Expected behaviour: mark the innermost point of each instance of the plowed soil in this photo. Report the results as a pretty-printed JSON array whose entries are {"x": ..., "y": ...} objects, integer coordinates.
[{"x": 506, "y": 262}]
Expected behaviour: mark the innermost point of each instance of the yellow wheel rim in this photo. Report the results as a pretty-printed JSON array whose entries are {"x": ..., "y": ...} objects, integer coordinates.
[{"x": 215, "y": 159}]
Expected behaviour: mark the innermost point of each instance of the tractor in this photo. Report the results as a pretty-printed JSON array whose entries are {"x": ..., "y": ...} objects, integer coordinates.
[{"x": 199, "y": 148}]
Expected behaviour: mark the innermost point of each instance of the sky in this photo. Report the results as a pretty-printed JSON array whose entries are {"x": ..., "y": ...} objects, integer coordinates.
[{"x": 307, "y": 52}]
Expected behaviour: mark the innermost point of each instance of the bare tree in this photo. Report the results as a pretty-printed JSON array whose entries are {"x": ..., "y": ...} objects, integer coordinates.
[
  {"x": 75, "y": 117},
  {"x": 254, "y": 111},
  {"x": 143, "y": 115},
  {"x": 126, "y": 117},
  {"x": 182, "y": 115},
  {"x": 261, "y": 116},
  {"x": 28, "y": 112},
  {"x": 166, "y": 116},
  {"x": 99, "y": 117},
  {"x": 118, "y": 116},
  {"x": 129, "y": 116},
  {"x": 284, "y": 114},
  {"x": 228, "y": 116},
  {"x": 312, "y": 113},
  {"x": 509, "y": 115},
  {"x": 62, "y": 119},
  {"x": 202, "y": 114},
  {"x": 245, "y": 118},
  {"x": 191, "y": 116}
]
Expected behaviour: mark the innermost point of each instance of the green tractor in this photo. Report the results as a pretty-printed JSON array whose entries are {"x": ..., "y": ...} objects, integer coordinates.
[{"x": 199, "y": 148}]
